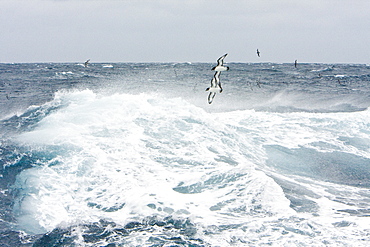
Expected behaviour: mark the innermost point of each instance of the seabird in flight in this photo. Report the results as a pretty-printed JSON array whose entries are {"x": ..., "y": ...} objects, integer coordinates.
[
  {"x": 215, "y": 87},
  {"x": 258, "y": 53},
  {"x": 295, "y": 63},
  {"x": 259, "y": 82},
  {"x": 87, "y": 62},
  {"x": 220, "y": 64}
]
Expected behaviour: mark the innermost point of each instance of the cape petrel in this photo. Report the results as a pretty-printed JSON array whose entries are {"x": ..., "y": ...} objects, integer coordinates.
[{"x": 87, "y": 63}]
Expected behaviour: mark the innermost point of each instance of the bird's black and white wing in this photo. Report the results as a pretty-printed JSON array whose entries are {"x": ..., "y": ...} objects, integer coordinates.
[
  {"x": 220, "y": 61},
  {"x": 210, "y": 97}
]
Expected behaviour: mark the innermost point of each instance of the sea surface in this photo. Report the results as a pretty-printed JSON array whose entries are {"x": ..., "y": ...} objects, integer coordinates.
[{"x": 132, "y": 154}]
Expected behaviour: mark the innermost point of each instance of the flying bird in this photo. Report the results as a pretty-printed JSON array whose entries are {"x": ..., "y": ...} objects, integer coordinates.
[
  {"x": 295, "y": 63},
  {"x": 220, "y": 64},
  {"x": 215, "y": 87},
  {"x": 259, "y": 82},
  {"x": 87, "y": 62},
  {"x": 258, "y": 53}
]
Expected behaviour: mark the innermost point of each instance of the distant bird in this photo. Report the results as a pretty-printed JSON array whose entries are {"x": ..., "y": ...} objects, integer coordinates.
[
  {"x": 7, "y": 96},
  {"x": 341, "y": 83},
  {"x": 295, "y": 63},
  {"x": 215, "y": 87},
  {"x": 220, "y": 64},
  {"x": 259, "y": 82},
  {"x": 258, "y": 53},
  {"x": 87, "y": 63}
]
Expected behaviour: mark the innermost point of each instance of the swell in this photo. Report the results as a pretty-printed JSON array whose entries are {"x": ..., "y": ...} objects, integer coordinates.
[{"x": 127, "y": 157}]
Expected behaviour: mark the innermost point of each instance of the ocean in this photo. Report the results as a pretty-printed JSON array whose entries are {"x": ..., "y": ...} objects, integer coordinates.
[{"x": 132, "y": 154}]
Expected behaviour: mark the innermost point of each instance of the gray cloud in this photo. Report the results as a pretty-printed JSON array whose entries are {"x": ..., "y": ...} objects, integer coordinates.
[{"x": 175, "y": 31}]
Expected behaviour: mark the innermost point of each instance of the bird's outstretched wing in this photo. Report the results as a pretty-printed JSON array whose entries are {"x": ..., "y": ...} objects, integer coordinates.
[
  {"x": 210, "y": 97},
  {"x": 220, "y": 61}
]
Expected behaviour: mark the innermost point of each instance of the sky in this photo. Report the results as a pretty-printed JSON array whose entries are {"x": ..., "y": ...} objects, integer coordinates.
[{"x": 312, "y": 31}]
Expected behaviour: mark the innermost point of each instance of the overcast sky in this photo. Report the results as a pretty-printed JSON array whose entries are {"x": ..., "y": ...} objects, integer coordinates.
[{"x": 323, "y": 31}]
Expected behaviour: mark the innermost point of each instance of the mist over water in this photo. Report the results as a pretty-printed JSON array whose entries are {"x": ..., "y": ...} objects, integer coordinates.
[{"x": 133, "y": 154}]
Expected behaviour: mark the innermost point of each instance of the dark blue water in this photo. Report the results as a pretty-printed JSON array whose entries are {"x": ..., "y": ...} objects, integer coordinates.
[{"x": 133, "y": 155}]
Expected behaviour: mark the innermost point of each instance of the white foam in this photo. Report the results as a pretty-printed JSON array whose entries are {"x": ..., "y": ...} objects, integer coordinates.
[
  {"x": 123, "y": 157},
  {"x": 108, "y": 66},
  {"x": 302, "y": 129},
  {"x": 125, "y": 152}
]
